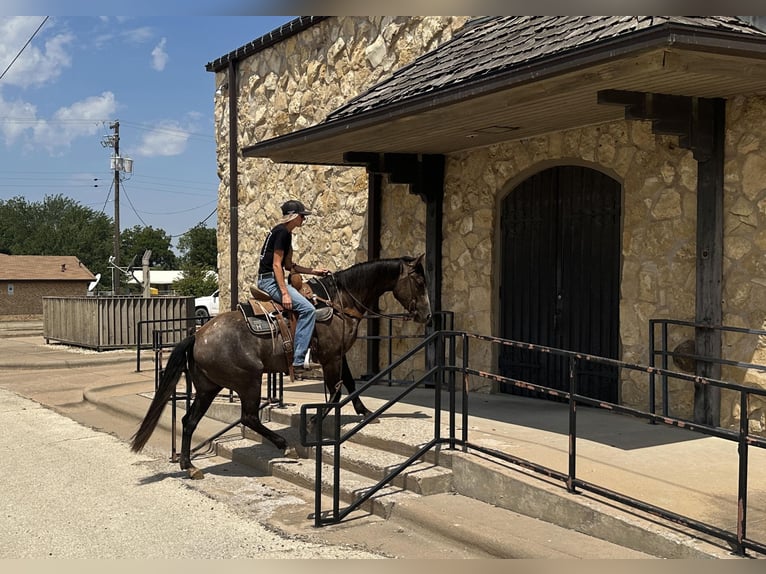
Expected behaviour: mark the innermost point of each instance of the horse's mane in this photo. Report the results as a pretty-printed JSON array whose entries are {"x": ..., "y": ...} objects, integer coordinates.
[{"x": 361, "y": 276}]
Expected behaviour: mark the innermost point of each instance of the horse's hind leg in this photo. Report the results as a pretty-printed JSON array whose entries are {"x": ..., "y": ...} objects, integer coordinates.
[
  {"x": 251, "y": 417},
  {"x": 201, "y": 403}
]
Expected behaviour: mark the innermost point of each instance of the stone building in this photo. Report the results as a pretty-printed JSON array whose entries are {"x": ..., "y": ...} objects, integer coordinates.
[
  {"x": 570, "y": 178},
  {"x": 26, "y": 279}
]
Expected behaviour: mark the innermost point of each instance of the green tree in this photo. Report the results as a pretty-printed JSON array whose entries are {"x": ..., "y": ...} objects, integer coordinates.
[
  {"x": 136, "y": 240},
  {"x": 196, "y": 281},
  {"x": 56, "y": 226},
  {"x": 199, "y": 247}
]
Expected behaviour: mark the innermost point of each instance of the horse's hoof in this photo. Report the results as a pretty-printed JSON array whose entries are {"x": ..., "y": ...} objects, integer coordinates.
[
  {"x": 196, "y": 474},
  {"x": 291, "y": 452}
]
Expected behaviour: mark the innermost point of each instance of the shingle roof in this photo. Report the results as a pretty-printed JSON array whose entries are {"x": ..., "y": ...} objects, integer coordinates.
[
  {"x": 43, "y": 268},
  {"x": 291, "y": 28},
  {"x": 490, "y": 45}
]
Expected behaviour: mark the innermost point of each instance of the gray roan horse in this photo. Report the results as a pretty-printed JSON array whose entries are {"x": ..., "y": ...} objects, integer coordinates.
[{"x": 225, "y": 354}]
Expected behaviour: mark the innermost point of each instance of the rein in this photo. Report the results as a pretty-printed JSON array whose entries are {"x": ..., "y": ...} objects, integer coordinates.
[
  {"x": 372, "y": 313},
  {"x": 352, "y": 312}
]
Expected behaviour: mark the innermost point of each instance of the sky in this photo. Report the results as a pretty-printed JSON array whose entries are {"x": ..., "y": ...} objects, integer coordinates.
[{"x": 65, "y": 80}]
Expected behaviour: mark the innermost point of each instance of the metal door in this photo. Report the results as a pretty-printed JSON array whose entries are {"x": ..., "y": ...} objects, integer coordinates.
[{"x": 560, "y": 277}]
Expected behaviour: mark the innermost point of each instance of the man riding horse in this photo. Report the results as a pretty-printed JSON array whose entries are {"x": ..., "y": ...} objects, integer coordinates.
[{"x": 276, "y": 257}]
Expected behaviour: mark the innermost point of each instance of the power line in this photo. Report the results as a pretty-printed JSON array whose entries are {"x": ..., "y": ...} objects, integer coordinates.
[
  {"x": 145, "y": 127},
  {"x": 133, "y": 207},
  {"x": 155, "y": 128},
  {"x": 108, "y": 194},
  {"x": 182, "y": 210},
  {"x": 24, "y": 47}
]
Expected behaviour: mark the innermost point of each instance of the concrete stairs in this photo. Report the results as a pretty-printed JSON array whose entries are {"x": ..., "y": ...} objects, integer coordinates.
[
  {"x": 373, "y": 452},
  {"x": 362, "y": 466}
]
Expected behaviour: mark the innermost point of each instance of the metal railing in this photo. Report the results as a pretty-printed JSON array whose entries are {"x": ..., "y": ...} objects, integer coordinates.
[
  {"x": 442, "y": 321},
  {"x": 158, "y": 339},
  {"x": 665, "y": 354},
  {"x": 333, "y": 440}
]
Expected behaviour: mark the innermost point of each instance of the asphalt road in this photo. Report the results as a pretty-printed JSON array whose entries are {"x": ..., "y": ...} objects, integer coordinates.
[
  {"x": 72, "y": 492},
  {"x": 67, "y": 466},
  {"x": 71, "y": 487}
]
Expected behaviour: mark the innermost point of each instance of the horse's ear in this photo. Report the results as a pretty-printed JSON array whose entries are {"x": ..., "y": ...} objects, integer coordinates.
[{"x": 419, "y": 261}]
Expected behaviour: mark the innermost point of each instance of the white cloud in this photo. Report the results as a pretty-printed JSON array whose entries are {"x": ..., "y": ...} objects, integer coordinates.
[
  {"x": 168, "y": 139},
  {"x": 17, "y": 117},
  {"x": 159, "y": 56},
  {"x": 83, "y": 118},
  {"x": 138, "y": 35},
  {"x": 40, "y": 62}
]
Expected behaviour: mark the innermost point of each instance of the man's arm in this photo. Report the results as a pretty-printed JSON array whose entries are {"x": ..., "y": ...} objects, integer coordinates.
[{"x": 280, "y": 263}]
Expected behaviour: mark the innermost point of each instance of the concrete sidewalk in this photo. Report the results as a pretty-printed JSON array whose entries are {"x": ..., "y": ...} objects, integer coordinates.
[{"x": 688, "y": 474}]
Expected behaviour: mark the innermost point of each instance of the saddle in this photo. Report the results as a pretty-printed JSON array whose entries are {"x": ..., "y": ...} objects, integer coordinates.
[{"x": 264, "y": 316}]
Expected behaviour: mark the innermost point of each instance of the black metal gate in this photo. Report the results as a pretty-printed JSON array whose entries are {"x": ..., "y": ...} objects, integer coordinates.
[{"x": 561, "y": 276}]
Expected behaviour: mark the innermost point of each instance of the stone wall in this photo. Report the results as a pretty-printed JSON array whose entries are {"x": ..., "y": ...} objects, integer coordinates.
[
  {"x": 658, "y": 246},
  {"x": 297, "y": 82},
  {"x": 659, "y": 215},
  {"x": 293, "y": 85},
  {"x": 744, "y": 285}
]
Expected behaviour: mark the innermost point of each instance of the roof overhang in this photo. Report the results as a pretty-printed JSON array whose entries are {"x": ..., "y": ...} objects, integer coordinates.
[{"x": 551, "y": 95}]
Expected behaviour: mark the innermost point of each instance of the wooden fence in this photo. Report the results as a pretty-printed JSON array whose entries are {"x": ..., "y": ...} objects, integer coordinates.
[{"x": 111, "y": 322}]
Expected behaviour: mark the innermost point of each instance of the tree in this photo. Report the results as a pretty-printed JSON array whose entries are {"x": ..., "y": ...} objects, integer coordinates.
[
  {"x": 136, "y": 240},
  {"x": 199, "y": 247},
  {"x": 196, "y": 281},
  {"x": 56, "y": 226}
]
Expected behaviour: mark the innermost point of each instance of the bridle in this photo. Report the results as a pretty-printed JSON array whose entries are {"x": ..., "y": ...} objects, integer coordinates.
[{"x": 368, "y": 312}]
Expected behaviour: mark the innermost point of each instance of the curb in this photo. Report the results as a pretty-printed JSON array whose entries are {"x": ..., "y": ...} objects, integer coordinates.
[{"x": 66, "y": 364}]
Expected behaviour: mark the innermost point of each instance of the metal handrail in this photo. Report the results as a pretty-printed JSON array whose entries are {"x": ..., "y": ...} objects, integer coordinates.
[
  {"x": 152, "y": 345},
  {"x": 442, "y": 320},
  {"x": 664, "y": 354},
  {"x": 742, "y": 436}
]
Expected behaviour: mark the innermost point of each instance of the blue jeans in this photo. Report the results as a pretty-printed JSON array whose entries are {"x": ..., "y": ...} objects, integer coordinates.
[{"x": 302, "y": 307}]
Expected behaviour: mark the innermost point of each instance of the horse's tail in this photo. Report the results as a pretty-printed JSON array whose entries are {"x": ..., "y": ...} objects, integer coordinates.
[{"x": 179, "y": 359}]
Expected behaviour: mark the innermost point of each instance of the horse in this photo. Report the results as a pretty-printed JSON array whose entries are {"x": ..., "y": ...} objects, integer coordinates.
[{"x": 224, "y": 353}]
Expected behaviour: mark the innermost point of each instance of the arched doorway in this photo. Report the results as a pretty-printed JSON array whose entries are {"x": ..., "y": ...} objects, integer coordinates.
[{"x": 560, "y": 276}]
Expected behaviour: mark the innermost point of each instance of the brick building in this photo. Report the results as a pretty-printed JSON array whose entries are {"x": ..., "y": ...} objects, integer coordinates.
[{"x": 26, "y": 279}]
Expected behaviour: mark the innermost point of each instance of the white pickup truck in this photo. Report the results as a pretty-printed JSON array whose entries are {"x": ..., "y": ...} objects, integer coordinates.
[{"x": 206, "y": 307}]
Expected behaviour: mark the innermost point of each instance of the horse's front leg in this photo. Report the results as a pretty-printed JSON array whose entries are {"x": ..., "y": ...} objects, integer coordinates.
[
  {"x": 331, "y": 376},
  {"x": 350, "y": 383}
]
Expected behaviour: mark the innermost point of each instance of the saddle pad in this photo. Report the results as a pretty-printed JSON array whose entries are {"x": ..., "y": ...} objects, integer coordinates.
[{"x": 258, "y": 324}]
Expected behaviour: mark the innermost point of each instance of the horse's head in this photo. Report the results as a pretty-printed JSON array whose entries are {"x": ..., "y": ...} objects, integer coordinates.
[{"x": 411, "y": 290}]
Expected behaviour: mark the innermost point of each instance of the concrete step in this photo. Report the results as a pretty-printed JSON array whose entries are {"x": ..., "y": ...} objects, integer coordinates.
[
  {"x": 420, "y": 477},
  {"x": 365, "y": 453},
  {"x": 382, "y": 446},
  {"x": 302, "y": 472}
]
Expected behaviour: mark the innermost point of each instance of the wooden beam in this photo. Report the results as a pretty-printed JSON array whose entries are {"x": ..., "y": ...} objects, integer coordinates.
[
  {"x": 700, "y": 124},
  {"x": 709, "y": 124},
  {"x": 374, "y": 225},
  {"x": 425, "y": 174}
]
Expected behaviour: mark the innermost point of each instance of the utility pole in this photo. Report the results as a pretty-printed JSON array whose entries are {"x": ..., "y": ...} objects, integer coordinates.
[
  {"x": 118, "y": 164},
  {"x": 115, "y": 270}
]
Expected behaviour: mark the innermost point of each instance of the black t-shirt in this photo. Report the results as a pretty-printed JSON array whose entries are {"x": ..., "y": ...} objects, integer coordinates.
[{"x": 278, "y": 239}]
